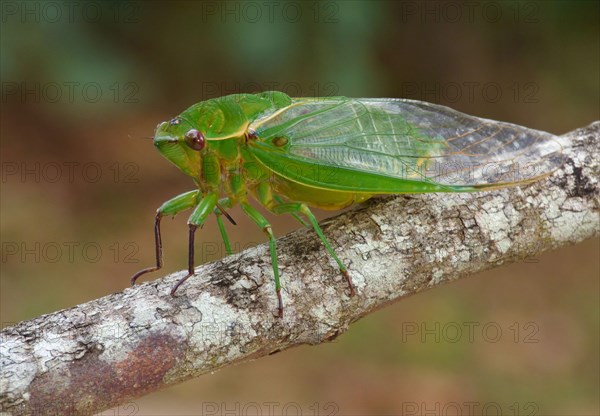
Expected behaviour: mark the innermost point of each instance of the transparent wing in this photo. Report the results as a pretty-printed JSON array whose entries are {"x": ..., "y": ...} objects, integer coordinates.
[{"x": 409, "y": 140}]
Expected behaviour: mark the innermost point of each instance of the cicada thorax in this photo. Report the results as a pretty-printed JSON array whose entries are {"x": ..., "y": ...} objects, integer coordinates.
[
  {"x": 229, "y": 168},
  {"x": 224, "y": 125}
]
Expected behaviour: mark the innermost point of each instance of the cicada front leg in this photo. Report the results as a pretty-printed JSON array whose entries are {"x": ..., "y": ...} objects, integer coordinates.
[
  {"x": 201, "y": 212},
  {"x": 171, "y": 207}
]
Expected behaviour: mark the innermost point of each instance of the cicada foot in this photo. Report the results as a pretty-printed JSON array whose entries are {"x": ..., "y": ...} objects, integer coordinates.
[
  {"x": 349, "y": 280},
  {"x": 279, "y": 304},
  {"x": 142, "y": 272},
  {"x": 179, "y": 283}
]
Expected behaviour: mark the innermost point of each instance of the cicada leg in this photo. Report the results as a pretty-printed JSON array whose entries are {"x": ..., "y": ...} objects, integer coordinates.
[
  {"x": 303, "y": 209},
  {"x": 266, "y": 227},
  {"x": 297, "y": 217},
  {"x": 171, "y": 207},
  {"x": 296, "y": 207},
  {"x": 269, "y": 200},
  {"x": 201, "y": 212},
  {"x": 219, "y": 211}
]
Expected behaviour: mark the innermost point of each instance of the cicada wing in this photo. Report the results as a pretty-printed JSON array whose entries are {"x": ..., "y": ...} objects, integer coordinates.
[
  {"x": 476, "y": 151},
  {"x": 406, "y": 140}
]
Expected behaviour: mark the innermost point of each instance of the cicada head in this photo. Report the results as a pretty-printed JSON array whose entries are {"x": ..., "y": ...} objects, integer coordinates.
[
  {"x": 182, "y": 144},
  {"x": 200, "y": 129}
]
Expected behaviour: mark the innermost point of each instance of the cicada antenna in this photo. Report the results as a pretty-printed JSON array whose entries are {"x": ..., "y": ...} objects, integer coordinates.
[{"x": 129, "y": 136}]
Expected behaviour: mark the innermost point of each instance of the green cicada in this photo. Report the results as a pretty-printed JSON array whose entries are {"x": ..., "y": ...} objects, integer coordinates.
[{"x": 290, "y": 154}]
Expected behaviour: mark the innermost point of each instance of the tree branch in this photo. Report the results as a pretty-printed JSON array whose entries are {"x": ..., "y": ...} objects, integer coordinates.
[{"x": 103, "y": 353}]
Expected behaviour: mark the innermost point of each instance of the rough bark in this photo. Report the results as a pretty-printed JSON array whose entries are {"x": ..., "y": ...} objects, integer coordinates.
[{"x": 103, "y": 353}]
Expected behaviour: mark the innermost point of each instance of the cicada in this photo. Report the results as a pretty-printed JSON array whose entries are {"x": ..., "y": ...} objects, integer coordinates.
[{"x": 293, "y": 154}]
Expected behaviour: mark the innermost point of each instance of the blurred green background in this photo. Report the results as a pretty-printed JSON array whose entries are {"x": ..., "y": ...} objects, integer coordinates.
[{"x": 83, "y": 81}]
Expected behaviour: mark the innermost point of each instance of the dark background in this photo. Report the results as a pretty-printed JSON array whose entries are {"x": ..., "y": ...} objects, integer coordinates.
[{"x": 83, "y": 81}]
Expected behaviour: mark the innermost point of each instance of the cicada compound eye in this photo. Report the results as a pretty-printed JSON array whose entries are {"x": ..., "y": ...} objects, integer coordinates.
[{"x": 195, "y": 139}]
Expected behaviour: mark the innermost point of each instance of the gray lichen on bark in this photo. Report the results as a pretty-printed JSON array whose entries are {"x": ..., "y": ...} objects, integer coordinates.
[{"x": 105, "y": 352}]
